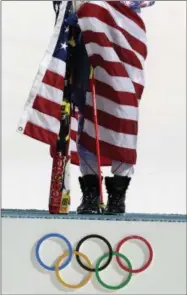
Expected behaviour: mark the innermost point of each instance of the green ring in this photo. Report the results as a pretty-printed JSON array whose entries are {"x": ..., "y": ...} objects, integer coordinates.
[{"x": 123, "y": 284}]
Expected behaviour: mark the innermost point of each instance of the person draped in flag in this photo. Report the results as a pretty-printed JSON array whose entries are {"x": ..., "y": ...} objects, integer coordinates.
[
  {"x": 107, "y": 38},
  {"x": 118, "y": 184}
]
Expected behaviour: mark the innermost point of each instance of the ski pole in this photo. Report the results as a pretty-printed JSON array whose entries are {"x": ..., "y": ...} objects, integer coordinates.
[
  {"x": 74, "y": 5},
  {"x": 97, "y": 137}
]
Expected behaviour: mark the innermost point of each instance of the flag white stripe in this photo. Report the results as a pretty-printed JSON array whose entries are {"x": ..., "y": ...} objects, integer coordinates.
[
  {"x": 114, "y": 109},
  {"x": 107, "y": 53},
  {"x": 117, "y": 83},
  {"x": 74, "y": 124},
  {"x": 73, "y": 146},
  {"x": 135, "y": 74},
  {"x": 57, "y": 66},
  {"x": 42, "y": 120},
  {"x": 111, "y": 137},
  {"x": 51, "y": 93}
]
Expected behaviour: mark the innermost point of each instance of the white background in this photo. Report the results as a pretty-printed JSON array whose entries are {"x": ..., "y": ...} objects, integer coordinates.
[{"x": 159, "y": 183}]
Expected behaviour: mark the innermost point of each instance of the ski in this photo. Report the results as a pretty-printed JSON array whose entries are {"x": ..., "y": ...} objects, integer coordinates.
[{"x": 59, "y": 198}]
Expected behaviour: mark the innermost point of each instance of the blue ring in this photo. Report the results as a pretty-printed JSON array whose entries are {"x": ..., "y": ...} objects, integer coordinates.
[{"x": 70, "y": 249}]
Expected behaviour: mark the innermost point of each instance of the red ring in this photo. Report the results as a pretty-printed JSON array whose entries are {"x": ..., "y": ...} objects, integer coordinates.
[{"x": 146, "y": 265}]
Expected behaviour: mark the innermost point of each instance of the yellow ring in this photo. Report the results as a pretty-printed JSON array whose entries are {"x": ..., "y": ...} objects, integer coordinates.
[{"x": 59, "y": 278}]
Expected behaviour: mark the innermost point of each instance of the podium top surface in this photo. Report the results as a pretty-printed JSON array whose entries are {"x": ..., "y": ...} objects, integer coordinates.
[{"x": 42, "y": 214}]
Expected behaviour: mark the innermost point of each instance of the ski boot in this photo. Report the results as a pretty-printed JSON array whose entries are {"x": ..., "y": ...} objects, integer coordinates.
[
  {"x": 116, "y": 187},
  {"x": 90, "y": 200}
]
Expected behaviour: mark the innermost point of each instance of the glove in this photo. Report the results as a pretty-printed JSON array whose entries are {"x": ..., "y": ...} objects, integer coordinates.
[{"x": 72, "y": 20}]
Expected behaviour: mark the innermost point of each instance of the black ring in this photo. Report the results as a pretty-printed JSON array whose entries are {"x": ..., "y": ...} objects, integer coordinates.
[{"x": 100, "y": 238}]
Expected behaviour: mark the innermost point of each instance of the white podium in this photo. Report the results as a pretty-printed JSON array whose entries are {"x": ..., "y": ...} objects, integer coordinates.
[{"x": 23, "y": 230}]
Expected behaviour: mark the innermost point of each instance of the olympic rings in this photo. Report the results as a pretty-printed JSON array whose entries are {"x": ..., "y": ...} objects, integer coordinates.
[
  {"x": 123, "y": 284},
  {"x": 109, "y": 255},
  {"x": 53, "y": 235},
  {"x": 146, "y": 265},
  {"x": 84, "y": 281}
]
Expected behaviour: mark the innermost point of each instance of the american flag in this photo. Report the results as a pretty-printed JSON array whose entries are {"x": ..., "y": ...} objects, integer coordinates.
[
  {"x": 42, "y": 112},
  {"x": 115, "y": 39}
]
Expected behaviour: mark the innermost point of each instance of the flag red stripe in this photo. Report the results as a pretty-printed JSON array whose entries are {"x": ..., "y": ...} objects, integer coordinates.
[
  {"x": 73, "y": 135},
  {"x": 74, "y": 158},
  {"x": 129, "y": 13},
  {"x": 125, "y": 55},
  {"x": 104, "y": 16},
  {"x": 139, "y": 90},
  {"x": 47, "y": 107},
  {"x": 122, "y": 98},
  {"x": 75, "y": 115},
  {"x": 53, "y": 79},
  {"x": 113, "y": 123},
  {"x": 116, "y": 69},
  {"x": 113, "y": 152},
  {"x": 40, "y": 133}
]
